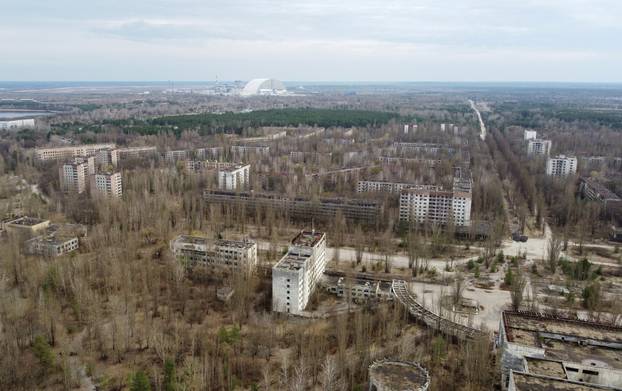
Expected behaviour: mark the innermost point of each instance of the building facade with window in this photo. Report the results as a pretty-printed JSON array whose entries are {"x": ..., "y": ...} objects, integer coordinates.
[{"x": 296, "y": 275}]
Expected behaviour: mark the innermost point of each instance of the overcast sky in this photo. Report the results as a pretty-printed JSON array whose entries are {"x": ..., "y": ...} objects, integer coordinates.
[{"x": 382, "y": 40}]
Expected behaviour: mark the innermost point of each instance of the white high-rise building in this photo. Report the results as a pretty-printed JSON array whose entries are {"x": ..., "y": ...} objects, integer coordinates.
[
  {"x": 107, "y": 184},
  {"x": 234, "y": 178},
  {"x": 561, "y": 166},
  {"x": 296, "y": 275},
  {"x": 538, "y": 147},
  {"x": 431, "y": 204},
  {"x": 74, "y": 175},
  {"x": 530, "y": 134}
]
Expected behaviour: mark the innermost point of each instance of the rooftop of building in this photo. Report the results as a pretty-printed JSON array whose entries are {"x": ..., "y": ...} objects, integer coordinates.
[
  {"x": 544, "y": 367},
  {"x": 55, "y": 239},
  {"x": 570, "y": 340},
  {"x": 425, "y": 189},
  {"x": 292, "y": 261},
  {"x": 308, "y": 238},
  {"x": 235, "y": 243},
  {"x": 69, "y": 147},
  {"x": 234, "y": 167},
  {"x": 532, "y": 382},
  {"x": 562, "y": 157},
  {"x": 200, "y": 240},
  {"x": 191, "y": 239},
  {"x": 398, "y": 375},
  {"x": 26, "y": 221}
]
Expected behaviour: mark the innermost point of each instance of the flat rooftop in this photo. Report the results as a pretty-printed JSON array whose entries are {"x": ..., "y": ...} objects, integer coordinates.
[
  {"x": 565, "y": 339},
  {"x": 544, "y": 367},
  {"x": 200, "y": 240},
  {"x": 530, "y": 382},
  {"x": 307, "y": 238},
  {"x": 292, "y": 261},
  {"x": 27, "y": 221},
  {"x": 234, "y": 168},
  {"x": 191, "y": 239},
  {"x": 398, "y": 375},
  {"x": 235, "y": 243}
]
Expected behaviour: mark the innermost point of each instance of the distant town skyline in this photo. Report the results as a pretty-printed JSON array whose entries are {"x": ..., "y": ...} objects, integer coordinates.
[{"x": 400, "y": 40}]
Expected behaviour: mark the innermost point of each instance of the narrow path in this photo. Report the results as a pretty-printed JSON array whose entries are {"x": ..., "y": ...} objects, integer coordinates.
[{"x": 482, "y": 126}]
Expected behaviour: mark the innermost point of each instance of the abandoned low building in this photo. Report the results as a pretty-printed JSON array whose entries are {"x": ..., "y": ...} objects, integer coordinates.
[
  {"x": 196, "y": 250},
  {"x": 535, "y": 345},
  {"x": 358, "y": 290},
  {"x": 51, "y": 245}
]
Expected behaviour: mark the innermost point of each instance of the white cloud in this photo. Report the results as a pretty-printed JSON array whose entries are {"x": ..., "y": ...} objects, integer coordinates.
[{"x": 349, "y": 39}]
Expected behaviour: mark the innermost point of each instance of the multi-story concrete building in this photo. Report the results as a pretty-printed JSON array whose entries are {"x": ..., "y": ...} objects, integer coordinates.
[
  {"x": 561, "y": 166},
  {"x": 51, "y": 245},
  {"x": 43, "y": 154},
  {"x": 244, "y": 150},
  {"x": 530, "y": 134},
  {"x": 383, "y": 187},
  {"x": 234, "y": 178},
  {"x": 74, "y": 175},
  {"x": 109, "y": 184},
  {"x": 558, "y": 353},
  {"x": 107, "y": 157},
  {"x": 199, "y": 165},
  {"x": 422, "y": 204},
  {"x": 399, "y": 160},
  {"x": 174, "y": 156},
  {"x": 538, "y": 147},
  {"x": 135, "y": 152},
  {"x": 361, "y": 210},
  {"x": 209, "y": 153},
  {"x": 198, "y": 250},
  {"x": 296, "y": 275},
  {"x": 595, "y": 191},
  {"x": 430, "y": 148}
]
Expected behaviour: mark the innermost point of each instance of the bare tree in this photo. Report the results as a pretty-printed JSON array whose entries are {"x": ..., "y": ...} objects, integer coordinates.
[
  {"x": 329, "y": 374},
  {"x": 517, "y": 290},
  {"x": 458, "y": 289},
  {"x": 553, "y": 252}
]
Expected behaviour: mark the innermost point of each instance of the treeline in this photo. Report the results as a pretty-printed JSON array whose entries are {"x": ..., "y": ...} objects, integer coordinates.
[
  {"x": 207, "y": 124},
  {"x": 535, "y": 115}
]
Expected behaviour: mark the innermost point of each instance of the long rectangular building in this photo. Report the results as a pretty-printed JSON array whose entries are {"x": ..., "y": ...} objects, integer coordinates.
[
  {"x": 57, "y": 153},
  {"x": 381, "y": 187},
  {"x": 296, "y": 275},
  {"x": 361, "y": 210}
]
